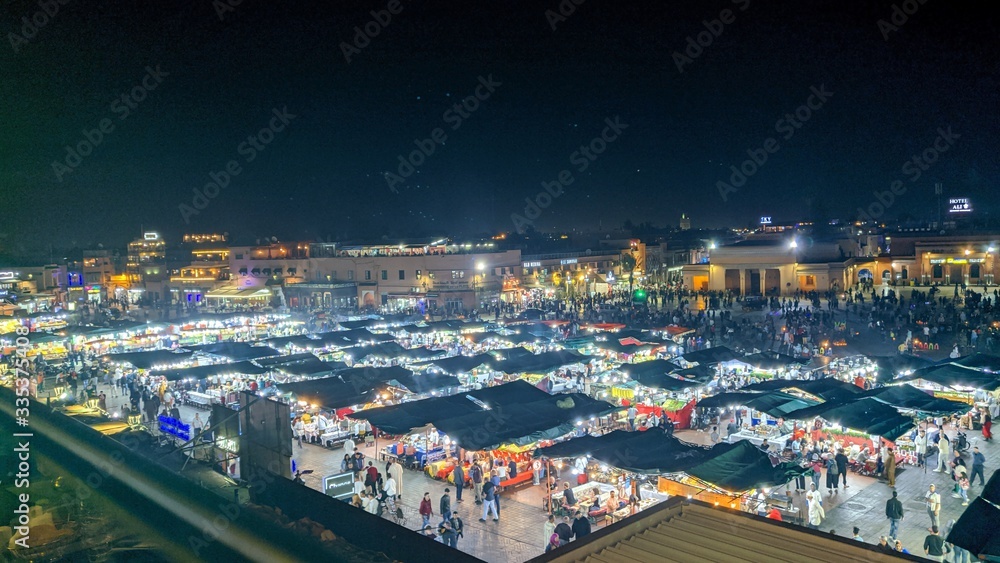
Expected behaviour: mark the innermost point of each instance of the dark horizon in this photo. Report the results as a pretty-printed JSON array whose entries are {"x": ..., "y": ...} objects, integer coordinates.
[{"x": 208, "y": 81}]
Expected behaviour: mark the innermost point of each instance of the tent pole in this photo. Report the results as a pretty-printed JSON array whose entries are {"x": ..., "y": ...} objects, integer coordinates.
[{"x": 548, "y": 475}]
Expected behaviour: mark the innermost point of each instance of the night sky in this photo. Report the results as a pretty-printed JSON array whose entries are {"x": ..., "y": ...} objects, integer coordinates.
[{"x": 323, "y": 175}]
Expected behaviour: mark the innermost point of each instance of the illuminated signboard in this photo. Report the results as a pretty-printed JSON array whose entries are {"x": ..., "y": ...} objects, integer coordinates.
[
  {"x": 7, "y": 275},
  {"x": 957, "y": 260},
  {"x": 766, "y": 220},
  {"x": 959, "y": 205},
  {"x": 228, "y": 444},
  {"x": 568, "y": 261},
  {"x": 340, "y": 486},
  {"x": 151, "y": 236},
  {"x": 532, "y": 264}
]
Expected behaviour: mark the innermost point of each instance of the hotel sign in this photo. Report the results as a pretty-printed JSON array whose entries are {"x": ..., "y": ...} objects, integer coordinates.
[
  {"x": 959, "y": 205},
  {"x": 532, "y": 264},
  {"x": 766, "y": 220}
]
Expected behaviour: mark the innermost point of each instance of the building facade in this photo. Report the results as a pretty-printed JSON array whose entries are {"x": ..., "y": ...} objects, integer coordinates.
[
  {"x": 433, "y": 276},
  {"x": 771, "y": 266}
]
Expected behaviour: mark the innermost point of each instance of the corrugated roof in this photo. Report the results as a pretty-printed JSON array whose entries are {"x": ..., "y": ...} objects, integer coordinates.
[{"x": 684, "y": 531}]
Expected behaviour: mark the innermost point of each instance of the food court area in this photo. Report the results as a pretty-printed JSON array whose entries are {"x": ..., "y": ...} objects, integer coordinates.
[{"x": 602, "y": 425}]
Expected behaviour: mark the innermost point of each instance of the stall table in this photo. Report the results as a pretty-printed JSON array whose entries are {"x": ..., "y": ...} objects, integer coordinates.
[{"x": 200, "y": 399}]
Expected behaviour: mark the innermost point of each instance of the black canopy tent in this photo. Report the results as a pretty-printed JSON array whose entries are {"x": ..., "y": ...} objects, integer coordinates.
[
  {"x": 665, "y": 382},
  {"x": 202, "y": 372},
  {"x": 734, "y": 467},
  {"x": 828, "y": 388},
  {"x": 956, "y": 376},
  {"x": 428, "y": 382},
  {"x": 310, "y": 367},
  {"x": 363, "y": 323},
  {"x": 867, "y": 415},
  {"x": 278, "y": 360},
  {"x": 349, "y": 338},
  {"x": 516, "y": 412},
  {"x": 908, "y": 397},
  {"x": 986, "y": 362},
  {"x": 651, "y": 452},
  {"x": 421, "y": 353},
  {"x": 773, "y": 403},
  {"x": 330, "y": 392},
  {"x": 369, "y": 375},
  {"x": 347, "y": 387},
  {"x": 459, "y": 364},
  {"x": 299, "y": 341},
  {"x": 743, "y": 466},
  {"x": 701, "y": 374},
  {"x": 889, "y": 366},
  {"x": 978, "y": 529},
  {"x": 385, "y": 350},
  {"x": 540, "y": 363},
  {"x": 652, "y": 367},
  {"x": 235, "y": 351},
  {"x": 511, "y": 353},
  {"x": 150, "y": 358},
  {"x": 772, "y": 361},
  {"x": 713, "y": 355}
]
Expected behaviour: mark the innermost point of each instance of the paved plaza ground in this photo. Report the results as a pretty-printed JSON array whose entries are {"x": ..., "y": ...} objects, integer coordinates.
[{"x": 518, "y": 536}]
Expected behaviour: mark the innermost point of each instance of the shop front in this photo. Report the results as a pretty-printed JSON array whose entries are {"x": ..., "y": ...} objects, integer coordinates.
[{"x": 973, "y": 268}]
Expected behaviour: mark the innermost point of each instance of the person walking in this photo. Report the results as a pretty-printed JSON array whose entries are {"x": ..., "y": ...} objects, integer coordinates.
[
  {"x": 944, "y": 453},
  {"x": 987, "y": 427},
  {"x": 894, "y": 512},
  {"x": 426, "y": 510},
  {"x": 816, "y": 513},
  {"x": 978, "y": 464},
  {"x": 458, "y": 529},
  {"x": 832, "y": 475},
  {"x": 459, "y": 475},
  {"x": 841, "y": 459},
  {"x": 934, "y": 545},
  {"x": 476, "y": 475},
  {"x": 391, "y": 493},
  {"x": 489, "y": 502},
  {"x": 890, "y": 467},
  {"x": 921, "y": 444},
  {"x": 933, "y": 506},
  {"x": 396, "y": 472},
  {"x": 444, "y": 506},
  {"x": 549, "y": 528},
  {"x": 581, "y": 525},
  {"x": 632, "y": 413}
]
